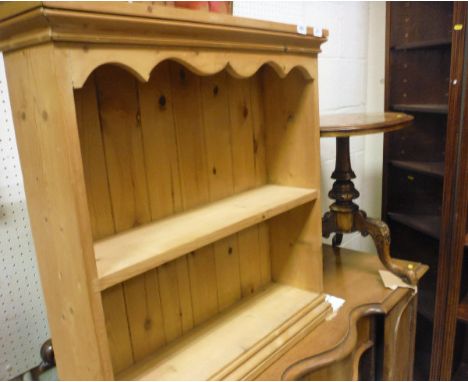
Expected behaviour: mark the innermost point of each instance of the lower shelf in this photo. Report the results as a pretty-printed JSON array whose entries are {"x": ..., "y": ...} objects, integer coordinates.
[
  {"x": 424, "y": 108},
  {"x": 427, "y": 224},
  {"x": 240, "y": 342},
  {"x": 430, "y": 168}
]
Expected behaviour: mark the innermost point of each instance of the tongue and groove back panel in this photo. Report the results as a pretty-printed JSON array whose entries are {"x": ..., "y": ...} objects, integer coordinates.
[{"x": 154, "y": 149}]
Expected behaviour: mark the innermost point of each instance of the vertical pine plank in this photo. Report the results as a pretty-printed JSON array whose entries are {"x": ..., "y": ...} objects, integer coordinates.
[
  {"x": 160, "y": 149},
  {"x": 194, "y": 184},
  {"x": 169, "y": 301},
  {"x": 144, "y": 314},
  {"x": 260, "y": 172},
  {"x": 113, "y": 302},
  {"x": 256, "y": 97},
  {"x": 119, "y": 113},
  {"x": 202, "y": 269},
  {"x": 244, "y": 175},
  {"x": 121, "y": 125},
  {"x": 92, "y": 153},
  {"x": 215, "y": 105},
  {"x": 102, "y": 222},
  {"x": 185, "y": 294}
]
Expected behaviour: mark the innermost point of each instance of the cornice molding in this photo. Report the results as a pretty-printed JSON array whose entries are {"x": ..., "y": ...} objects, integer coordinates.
[{"x": 143, "y": 24}]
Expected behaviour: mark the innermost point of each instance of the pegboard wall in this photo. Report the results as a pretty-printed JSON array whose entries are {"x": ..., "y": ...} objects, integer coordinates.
[{"x": 23, "y": 322}]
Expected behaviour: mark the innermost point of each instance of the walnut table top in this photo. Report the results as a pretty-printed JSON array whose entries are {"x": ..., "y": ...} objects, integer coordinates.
[{"x": 346, "y": 125}]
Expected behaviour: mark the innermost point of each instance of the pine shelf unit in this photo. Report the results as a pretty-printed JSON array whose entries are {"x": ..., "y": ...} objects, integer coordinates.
[{"x": 171, "y": 164}]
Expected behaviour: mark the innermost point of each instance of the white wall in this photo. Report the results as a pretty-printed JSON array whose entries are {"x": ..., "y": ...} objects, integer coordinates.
[{"x": 351, "y": 72}]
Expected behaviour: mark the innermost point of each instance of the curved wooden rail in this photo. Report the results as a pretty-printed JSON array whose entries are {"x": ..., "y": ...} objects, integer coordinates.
[
  {"x": 86, "y": 61},
  {"x": 342, "y": 349}
]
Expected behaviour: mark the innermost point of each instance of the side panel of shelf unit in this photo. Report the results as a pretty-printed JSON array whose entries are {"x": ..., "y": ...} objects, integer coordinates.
[
  {"x": 181, "y": 141},
  {"x": 48, "y": 143},
  {"x": 291, "y": 112}
]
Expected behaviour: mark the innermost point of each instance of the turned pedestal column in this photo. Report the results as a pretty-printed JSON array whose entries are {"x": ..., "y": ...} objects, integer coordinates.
[{"x": 344, "y": 215}]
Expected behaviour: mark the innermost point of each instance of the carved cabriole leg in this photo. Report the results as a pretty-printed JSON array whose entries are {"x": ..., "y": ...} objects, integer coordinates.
[{"x": 380, "y": 233}]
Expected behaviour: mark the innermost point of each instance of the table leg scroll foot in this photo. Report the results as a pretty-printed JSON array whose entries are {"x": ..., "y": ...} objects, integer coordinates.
[
  {"x": 337, "y": 238},
  {"x": 380, "y": 233}
]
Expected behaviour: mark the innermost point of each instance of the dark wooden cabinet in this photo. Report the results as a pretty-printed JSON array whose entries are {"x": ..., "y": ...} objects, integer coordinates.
[{"x": 425, "y": 172}]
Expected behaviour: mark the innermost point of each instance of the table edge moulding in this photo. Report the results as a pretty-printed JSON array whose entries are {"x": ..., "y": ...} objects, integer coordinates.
[{"x": 125, "y": 145}]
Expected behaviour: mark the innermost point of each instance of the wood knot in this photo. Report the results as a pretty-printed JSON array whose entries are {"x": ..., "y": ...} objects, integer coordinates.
[
  {"x": 162, "y": 101},
  {"x": 147, "y": 324},
  {"x": 182, "y": 75},
  {"x": 215, "y": 90}
]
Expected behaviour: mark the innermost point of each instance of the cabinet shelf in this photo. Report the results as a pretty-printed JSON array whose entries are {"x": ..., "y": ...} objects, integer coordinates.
[
  {"x": 462, "y": 313},
  {"x": 423, "y": 108},
  {"x": 134, "y": 252},
  {"x": 424, "y": 44},
  {"x": 430, "y": 168},
  {"x": 235, "y": 342},
  {"x": 427, "y": 224}
]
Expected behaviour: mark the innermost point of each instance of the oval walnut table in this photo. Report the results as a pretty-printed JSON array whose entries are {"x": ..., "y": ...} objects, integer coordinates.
[{"x": 344, "y": 215}]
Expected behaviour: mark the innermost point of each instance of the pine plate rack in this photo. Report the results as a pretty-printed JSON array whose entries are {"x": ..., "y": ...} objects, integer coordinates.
[{"x": 171, "y": 166}]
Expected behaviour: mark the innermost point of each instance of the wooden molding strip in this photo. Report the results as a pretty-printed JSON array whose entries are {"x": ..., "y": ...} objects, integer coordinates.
[
  {"x": 84, "y": 60},
  {"x": 151, "y": 25}
]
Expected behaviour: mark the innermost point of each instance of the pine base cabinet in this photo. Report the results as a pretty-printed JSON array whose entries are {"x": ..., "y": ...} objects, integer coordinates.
[{"x": 171, "y": 166}]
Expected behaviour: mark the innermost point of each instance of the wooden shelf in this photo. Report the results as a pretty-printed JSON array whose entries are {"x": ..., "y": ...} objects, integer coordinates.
[
  {"x": 234, "y": 343},
  {"x": 423, "y": 108},
  {"x": 462, "y": 313},
  {"x": 430, "y": 168},
  {"x": 423, "y": 44},
  {"x": 134, "y": 252},
  {"x": 427, "y": 224}
]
